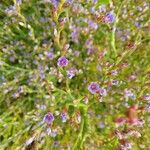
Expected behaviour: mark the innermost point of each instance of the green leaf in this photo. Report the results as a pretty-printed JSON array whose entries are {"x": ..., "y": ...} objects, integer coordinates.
[{"x": 100, "y": 2}]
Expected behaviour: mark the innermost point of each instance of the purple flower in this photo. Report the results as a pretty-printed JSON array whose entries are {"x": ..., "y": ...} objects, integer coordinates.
[
  {"x": 48, "y": 131},
  {"x": 129, "y": 94},
  {"x": 101, "y": 125},
  {"x": 137, "y": 24},
  {"x": 55, "y": 3},
  {"x": 94, "y": 1},
  {"x": 12, "y": 59},
  {"x": 109, "y": 18},
  {"x": 55, "y": 144},
  {"x": 69, "y": 2},
  {"x": 93, "y": 87},
  {"x": 114, "y": 72},
  {"x": 74, "y": 33},
  {"x": 102, "y": 8},
  {"x": 42, "y": 75},
  {"x": 76, "y": 53},
  {"x": 102, "y": 92},
  {"x": 75, "y": 36},
  {"x": 15, "y": 95},
  {"x": 50, "y": 55},
  {"x": 20, "y": 89},
  {"x": 90, "y": 51},
  {"x": 48, "y": 118},
  {"x": 93, "y": 25},
  {"x": 54, "y": 133},
  {"x": 114, "y": 82},
  {"x": 62, "y": 61},
  {"x": 64, "y": 116},
  {"x": 147, "y": 97},
  {"x": 98, "y": 67},
  {"x": 71, "y": 73},
  {"x": 19, "y": 2},
  {"x": 11, "y": 9},
  {"x": 139, "y": 8},
  {"x": 92, "y": 10},
  {"x": 123, "y": 38}
]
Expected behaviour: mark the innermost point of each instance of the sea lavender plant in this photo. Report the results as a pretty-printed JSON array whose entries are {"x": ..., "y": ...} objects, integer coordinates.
[{"x": 74, "y": 74}]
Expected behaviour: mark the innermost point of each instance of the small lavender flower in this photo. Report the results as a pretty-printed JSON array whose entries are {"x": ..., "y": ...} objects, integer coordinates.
[
  {"x": 71, "y": 73},
  {"x": 99, "y": 67},
  {"x": 64, "y": 116},
  {"x": 114, "y": 72},
  {"x": 62, "y": 61},
  {"x": 75, "y": 36},
  {"x": 147, "y": 97},
  {"x": 48, "y": 118},
  {"x": 137, "y": 24},
  {"x": 15, "y": 95},
  {"x": 102, "y": 8},
  {"x": 102, "y": 92},
  {"x": 114, "y": 82},
  {"x": 93, "y": 87},
  {"x": 54, "y": 133},
  {"x": 132, "y": 77},
  {"x": 11, "y": 9},
  {"x": 129, "y": 94},
  {"x": 42, "y": 107},
  {"x": 69, "y": 2},
  {"x": 93, "y": 25},
  {"x": 50, "y": 55},
  {"x": 19, "y": 2},
  {"x": 48, "y": 131},
  {"x": 90, "y": 51},
  {"x": 76, "y": 53},
  {"x": 101, "y": 125},
  {"x": 92, "y": 10},
  {"x": 43, "y": 20},
  {"x": 55, "y": 3},
  {"x": 12, "y": 59},
  {"x": 109, "y": 18},
  {"x": 94, "y": 1},
  {"x": 2, "y": 78},
  {"x": 123, "y": 38},
  {"x": 20, "y": 89},
  {"x": 126, "y": 146},
  {"x": 55, "y": 144},
  {"x": 139, "y": 8}
]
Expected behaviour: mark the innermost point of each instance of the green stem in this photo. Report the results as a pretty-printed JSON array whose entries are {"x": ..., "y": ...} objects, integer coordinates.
[
  {"x": 14, "y": 67},
  {"x": 113, "y": 41},
  {"x": 58, "y": 29},
  {"x": 113, "y": 45},
  {"x": 57, "y": 40},
  {"x": 79, "y": 135},
  {"x": 83, "y": 130}
]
